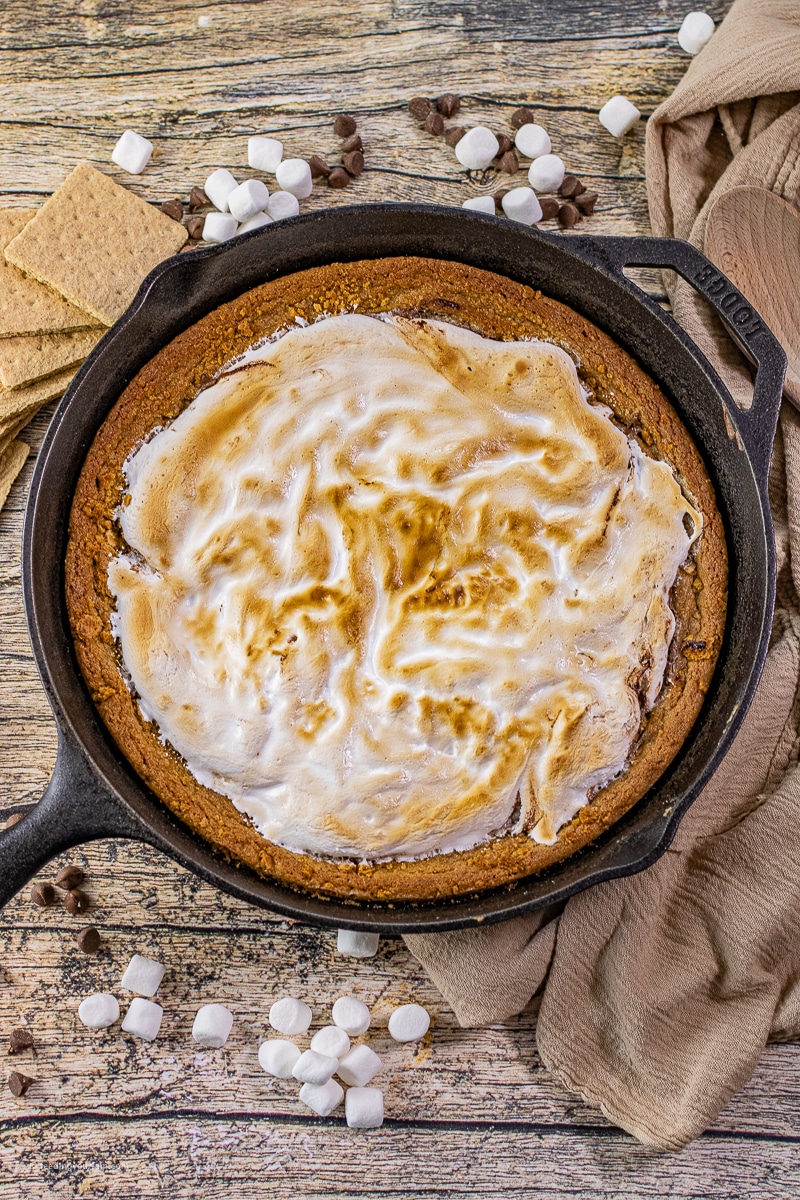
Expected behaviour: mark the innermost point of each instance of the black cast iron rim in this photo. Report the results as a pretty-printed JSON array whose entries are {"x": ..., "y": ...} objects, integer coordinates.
[{"x": 95, "y": 793}]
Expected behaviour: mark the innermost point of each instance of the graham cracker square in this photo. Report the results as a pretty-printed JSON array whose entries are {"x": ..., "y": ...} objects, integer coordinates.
[
  {"x": 24, "y": 359},
  {"x": 94, "y": 242},
  {"x": 15, "y": 401},
  {"x": 12, "y": 460},
  {"x": 27, "y": 306}
]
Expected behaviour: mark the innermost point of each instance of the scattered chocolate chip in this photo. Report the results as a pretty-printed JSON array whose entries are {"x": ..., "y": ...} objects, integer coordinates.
[
  {"x": 197, "y": 199},
  {"x": 195, "y": 227},
  {"x": 344, "y": 125},
  {"x": 70, "y": 877},
  {"x": 173, "y": 208},
  {"x": 338, "y": 178},
  {"x": 76, "y": 901},
  {"x": 454, "y": 134},
  {"x": 549, "y": 208},
  {"x": 43, "y": 894},
  {"x": 20, "y": 1039},
  {"x": 18, "y": 1083},
  {"x": 509, "y": 163},
  {"x": 88, "y": 940},
  {"x": 586, "y": 202},
  {"x": 521, "y": 116},
  {"x": 434, "y": 123},
  {"x": 354, "y": 163},
  {"x": 568, "y": 216},
  {"x": 498, "y": 196},
  {"x": 319, "y": 168},
  {"x": 570, "y": 186},
  {"x": 352, "y": 143},
  {"x": 12, "y": 820},
  {"x": 694, "y": 645},
  {"x": 419, "y": 107},
  {"x": 504, "y": 144},
  {"x": 448, "y": 104}
]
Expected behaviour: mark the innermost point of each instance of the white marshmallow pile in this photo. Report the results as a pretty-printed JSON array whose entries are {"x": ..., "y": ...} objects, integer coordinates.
[
  {"x": 695, "y": 31},
  {"x": 243, "y": 207},
  {"x": 132, "y": 152},
  {"x": 618, "y": 116}
]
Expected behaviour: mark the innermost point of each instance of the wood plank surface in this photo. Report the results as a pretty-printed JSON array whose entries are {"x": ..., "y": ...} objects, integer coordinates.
[{"x": 468, "y": 1112}]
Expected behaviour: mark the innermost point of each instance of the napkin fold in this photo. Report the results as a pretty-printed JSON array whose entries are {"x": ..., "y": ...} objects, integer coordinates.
[{"x": 658, "y": 992}]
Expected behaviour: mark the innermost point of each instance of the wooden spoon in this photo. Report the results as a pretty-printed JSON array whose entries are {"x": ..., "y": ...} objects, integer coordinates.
[{"x": 753, "y": 236}]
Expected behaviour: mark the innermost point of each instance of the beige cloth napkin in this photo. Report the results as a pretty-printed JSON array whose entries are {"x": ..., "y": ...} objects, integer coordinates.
[{"x": 658, "y": 992}]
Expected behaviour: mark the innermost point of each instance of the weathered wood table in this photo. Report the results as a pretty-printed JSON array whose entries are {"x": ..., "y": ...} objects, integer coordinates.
[{"x": 467, "y": 1112}]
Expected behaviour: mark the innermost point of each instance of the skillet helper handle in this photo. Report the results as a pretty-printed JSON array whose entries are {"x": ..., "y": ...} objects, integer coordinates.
[
  {"x": 756, "y": 425},
  {"x": 75, "y": 808}
]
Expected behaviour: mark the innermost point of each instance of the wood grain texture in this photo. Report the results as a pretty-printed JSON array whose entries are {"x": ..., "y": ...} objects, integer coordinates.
[{"x": 468, "y": 1112}]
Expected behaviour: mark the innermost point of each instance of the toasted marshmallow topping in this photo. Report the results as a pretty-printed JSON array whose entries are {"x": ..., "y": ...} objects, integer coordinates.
[{"x": 394, "y": 588}]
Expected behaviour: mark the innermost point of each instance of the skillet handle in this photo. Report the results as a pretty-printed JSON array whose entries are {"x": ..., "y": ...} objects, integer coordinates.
[
  {"x": 75, "y": 808},
  {"x": 756, "y": 425}
]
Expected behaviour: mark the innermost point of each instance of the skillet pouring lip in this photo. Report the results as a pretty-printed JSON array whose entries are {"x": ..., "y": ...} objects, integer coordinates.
[{"x": 582, "y": 272}]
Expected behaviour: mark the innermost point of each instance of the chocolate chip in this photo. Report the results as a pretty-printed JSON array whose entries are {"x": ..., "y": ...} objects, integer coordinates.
[
  {"x": 504, "y": 144},
  {"x": 549, "y": 208},
  {"x": 434, "y": 123},
  {"x": 498, "y": 196},
  {"x": 173, "y": 208},
  {"x": 20, "y": 1039},
  {"x": 521, "y": 116},
  {"x": 344, "y": 125},
  {"x": 509, "y": 163},
  {"x": 354, "y": 163},
  {"x": 448, "y": 104},
  {"x": 352, "y": 143},
  {"x": 338, "y": 178},
  {"x": 194, "y": 227},
  {"x": 70, "y": 877},
  {"x": 76, "y": 902},
  {"x": 454, "y": 134},
  {"x": 571, "y": 186},
  {"x": 12, "y": 820},
  {"x": 88, "y": 940},
  {"x": 586, "y": 202},
  {"x": 419, "y": 107},
  {"x": 319, "y": 168},
  {"x": 18, "y": 1083},
  {"x": 197, "y": 199},
  {"x": 568, "y": 216},
  {"x": 43, "y": 894}
]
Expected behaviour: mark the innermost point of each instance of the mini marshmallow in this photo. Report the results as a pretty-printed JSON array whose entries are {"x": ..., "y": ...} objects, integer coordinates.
[
  {"x": 521, "y": 204},
  {"x": 695, "y": 31},
  {"x": 247, "y": 199},
  {"x": 363, "y": 1107},
  {"x": 132, "y": 152},
  {"x": 484, "y": 204},
  {"x": 546, "y": 173},
  {"x": 264, "y": 154},
  {"x": 313, "y": 1067},
  {"x": 143, "y": 1018},
  {"x": 533, "y": 141},
  {"x": 331, "y": 1040},
  {"x": 294, "y": 175},
  {"x": 476, "y": 149},
  {"x": 255, "y": 222},
  {"x": 351, "y": 1015},
  {"x": 348, "y": 941},
  {"x": 218, "y": 187},
  {"x": 323, "y": 1097},
  {"x": 99, "y": 1011},
  {"x": 290, "y": 1016},
  {"x": 278, "y": 1058},
  {"x": 409, "y": 1023},
  {"x": 282, "y": 204},
  {"x": 212, "y": 1025},
  {"x": 618, "y": 116},
  {"x": 219, "y": 227},
  {"x": 143, "y": 975},
  {"x": 359, "y": 1066}
]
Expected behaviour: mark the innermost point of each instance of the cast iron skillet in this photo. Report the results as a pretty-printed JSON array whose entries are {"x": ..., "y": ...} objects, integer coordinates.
[{"x": 95, "y": 793}]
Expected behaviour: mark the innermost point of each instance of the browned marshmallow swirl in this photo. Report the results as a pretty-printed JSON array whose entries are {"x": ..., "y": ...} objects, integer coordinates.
[{"x": 394, "y": 588}]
